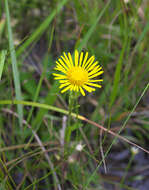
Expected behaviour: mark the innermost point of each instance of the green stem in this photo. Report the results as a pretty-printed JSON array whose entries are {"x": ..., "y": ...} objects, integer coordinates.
[{"x": 70, "y": 108}]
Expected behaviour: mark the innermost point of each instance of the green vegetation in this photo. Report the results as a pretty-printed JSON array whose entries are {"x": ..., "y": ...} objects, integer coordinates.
[{"x": 34, "y": 114}]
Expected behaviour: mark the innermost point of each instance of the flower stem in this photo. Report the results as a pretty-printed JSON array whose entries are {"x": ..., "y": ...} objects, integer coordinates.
[
  {"x": 73, "y": 103},
  {"x": 70, "y": 108}
]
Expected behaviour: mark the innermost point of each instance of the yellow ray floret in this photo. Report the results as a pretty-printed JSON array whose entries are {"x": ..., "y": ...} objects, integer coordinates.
[{"x": 78, "y": 74}]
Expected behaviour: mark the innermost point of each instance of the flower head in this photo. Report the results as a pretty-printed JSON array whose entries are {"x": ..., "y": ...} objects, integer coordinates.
[
  {"x": 79, "y": 147},
  {"x": 78, "y": 75},
  {"x": 134, "y": 150}
]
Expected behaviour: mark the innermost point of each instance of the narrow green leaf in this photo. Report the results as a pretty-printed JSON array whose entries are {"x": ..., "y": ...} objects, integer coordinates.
[
  {"x": 117, "y": 75},
  {"x": 2, "y": 61},
  {"x": 14, "y": 64},
  {"x": 2, "y": 27},
  {"x": 35, "y": 104}
]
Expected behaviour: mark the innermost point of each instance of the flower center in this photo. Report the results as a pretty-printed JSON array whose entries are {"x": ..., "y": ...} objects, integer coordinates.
[{"x": 77, "y": 76}]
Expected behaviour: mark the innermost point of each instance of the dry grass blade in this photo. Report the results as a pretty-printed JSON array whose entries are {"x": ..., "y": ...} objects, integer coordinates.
[{"x": 114, "y": 134}]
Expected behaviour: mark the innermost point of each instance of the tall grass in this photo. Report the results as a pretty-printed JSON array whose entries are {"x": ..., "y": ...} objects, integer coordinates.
[{"x": 14, "y": 64}]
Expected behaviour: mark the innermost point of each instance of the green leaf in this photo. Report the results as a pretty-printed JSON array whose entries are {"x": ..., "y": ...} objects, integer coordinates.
[
  {"x": 16, "y": 77},
  {"x": 2, "y": 61}
]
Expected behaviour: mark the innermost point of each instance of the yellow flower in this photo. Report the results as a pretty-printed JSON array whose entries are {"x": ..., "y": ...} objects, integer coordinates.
[{"x": 78, "y": 75}]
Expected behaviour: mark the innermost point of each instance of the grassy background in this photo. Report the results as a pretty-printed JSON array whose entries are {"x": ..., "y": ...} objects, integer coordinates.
[{"x": 33, "y": 34}]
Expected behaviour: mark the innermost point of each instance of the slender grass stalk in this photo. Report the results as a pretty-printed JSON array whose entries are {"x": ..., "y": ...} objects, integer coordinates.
[
  {"x": 3, "y": 177},
  {"x": 15, "y": 70},
  {"x": 117, "y": 75},
  {"x": 2, "y": 61},
  {"x": 2, "y": 27}
]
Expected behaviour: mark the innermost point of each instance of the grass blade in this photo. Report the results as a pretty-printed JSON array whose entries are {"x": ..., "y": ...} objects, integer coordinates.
[
  {"x": 14, "y": 64},
  {"x": 117, "y": 75},
  {"x": 2, "y": 61}
]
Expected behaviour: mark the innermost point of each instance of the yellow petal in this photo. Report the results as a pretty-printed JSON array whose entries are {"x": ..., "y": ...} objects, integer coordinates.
[
  {"x": 76, "y": 58},
  {"x": 70, "y": 59},
  {"x": 65, "y": 65},
  {"x": 60, "y": 69},
  {"x": 82, "y": 91},
  {"x": 92, "y": 84},
  {"x": 95, "y": 75},
  {"x": 89, "y": 62},
  {"x": 59, "y": 65},
  {"x": 65, "y": 89},
  {"x": 64, "y": 84},
  {"x": 63, "y": 81},
  {"x": 92, "y": 66},
  {"x": 95, "y": 70},
  {"x": 74, "y": 88},
  {"x": 81, "y": 57},
  {"x": 77, "y": 88},
  {"x": 88, "y": 88},
  {"x": 59, "y": 76},
  {"x": 85, "y": 58},
  {"x": 67, "y": 60},
  {"x": 100, "y": 80}
]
